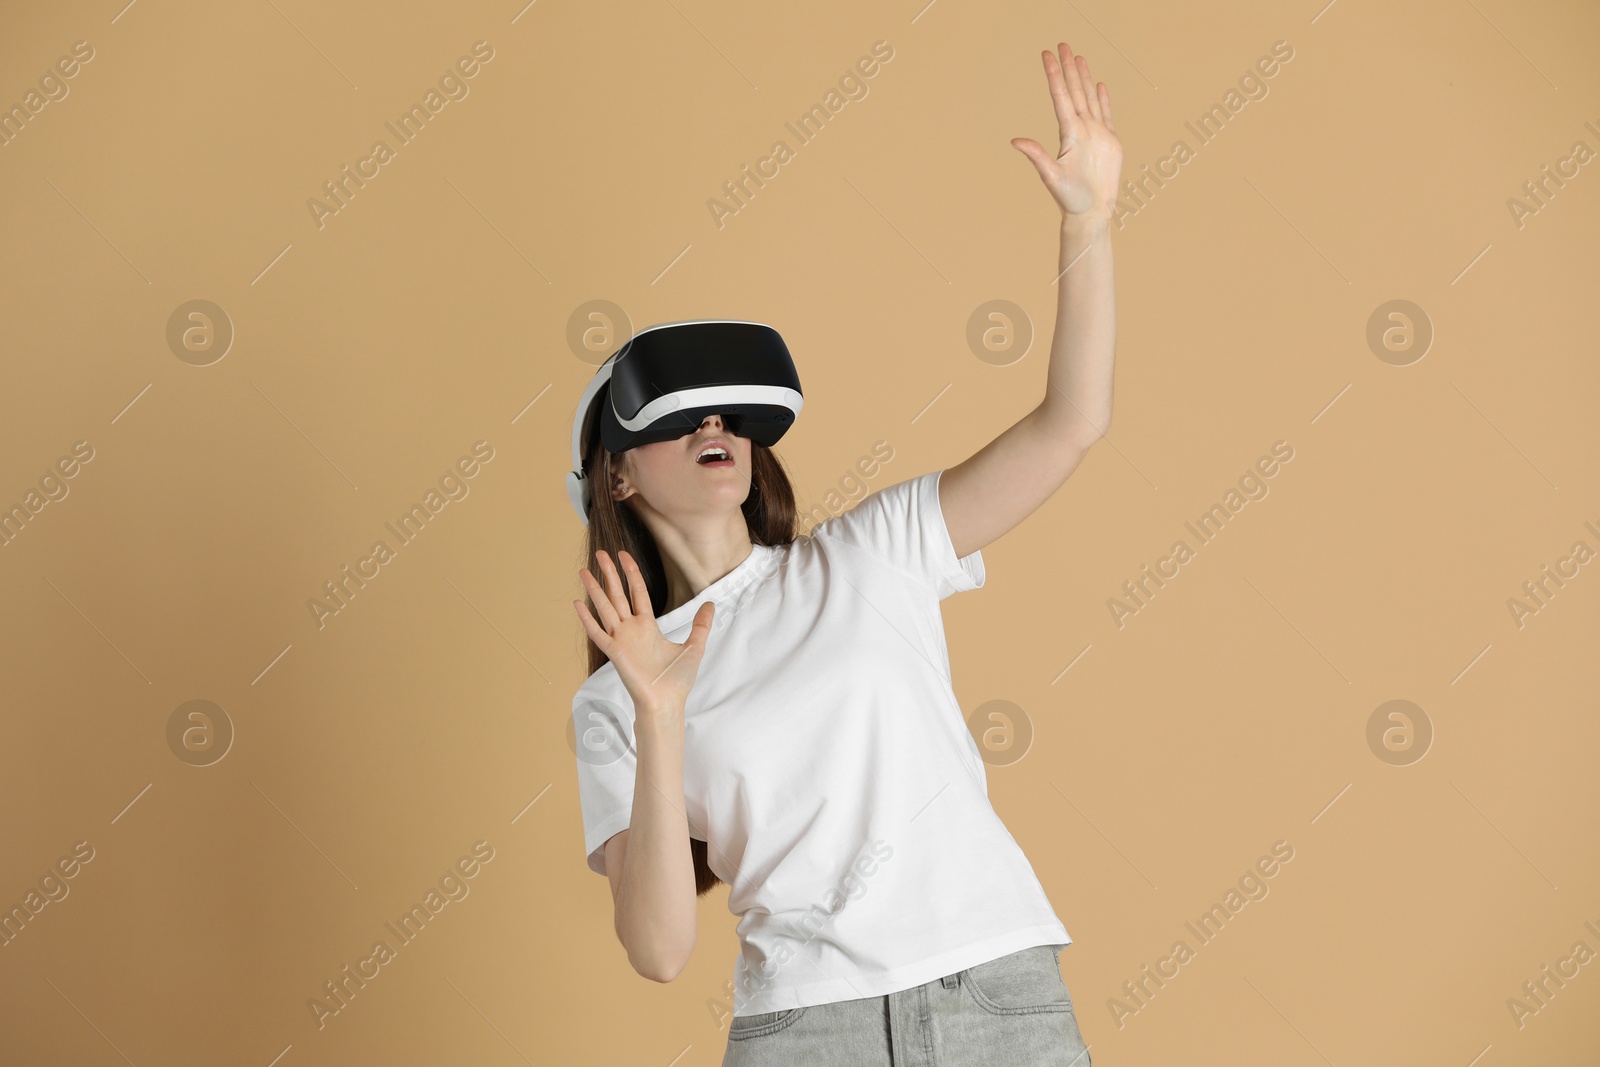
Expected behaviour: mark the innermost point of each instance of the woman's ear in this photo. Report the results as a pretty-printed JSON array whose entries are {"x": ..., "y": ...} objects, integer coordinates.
[{"x": 616, "y": 467}]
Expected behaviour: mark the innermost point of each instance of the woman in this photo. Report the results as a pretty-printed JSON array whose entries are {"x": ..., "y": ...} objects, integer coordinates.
[{"x": 812, "y": 753}]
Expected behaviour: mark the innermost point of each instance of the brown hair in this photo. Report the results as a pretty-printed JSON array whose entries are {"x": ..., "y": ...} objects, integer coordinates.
[{"x": 769, "y": 513}]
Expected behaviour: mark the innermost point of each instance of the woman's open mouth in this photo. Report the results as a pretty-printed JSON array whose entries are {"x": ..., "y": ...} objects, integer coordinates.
[{"x": 714, "y": 457}]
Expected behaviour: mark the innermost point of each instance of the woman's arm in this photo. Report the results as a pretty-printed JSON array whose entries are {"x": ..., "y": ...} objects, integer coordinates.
[
  {"x": 1004, "y": 482},
  {"x": 649, "y": 864}
]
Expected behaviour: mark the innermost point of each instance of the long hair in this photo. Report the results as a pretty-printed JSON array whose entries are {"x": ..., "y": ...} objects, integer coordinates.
[{"x": 769, "y": 513}]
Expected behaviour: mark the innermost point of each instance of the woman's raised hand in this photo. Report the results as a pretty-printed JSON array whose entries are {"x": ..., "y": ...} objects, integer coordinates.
[
  {"x": 658, "y": 673},
  {"x": 1083, "y": 175}
]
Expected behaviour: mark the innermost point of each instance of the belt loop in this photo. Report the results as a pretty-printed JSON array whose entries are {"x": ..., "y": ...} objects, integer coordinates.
[{"x": 950, "y": 980}]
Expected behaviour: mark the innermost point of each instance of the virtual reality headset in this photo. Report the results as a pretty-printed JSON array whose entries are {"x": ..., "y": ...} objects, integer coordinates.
[{"x": 666, "y": 379}]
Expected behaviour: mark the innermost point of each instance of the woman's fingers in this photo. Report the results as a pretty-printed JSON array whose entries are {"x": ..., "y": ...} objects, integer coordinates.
[
  {"x": 636, "y": 587},
  {"x": 1090, "y": 94},
  {"x": 1059, "y": 95},
  {"x": 614, "y": 584},
  {"x": 1080, "y": 103},
  {"x": 602, "y": 603},
  {"x": 592, "y": 628},
  {"x": 1105, "y": 106},
  {"x": 702, "y": 625},
  {"x": 611, "y": 603}
]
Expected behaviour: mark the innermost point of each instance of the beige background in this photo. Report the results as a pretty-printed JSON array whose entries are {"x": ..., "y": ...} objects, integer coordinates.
[{"x": 434, "y": 312}]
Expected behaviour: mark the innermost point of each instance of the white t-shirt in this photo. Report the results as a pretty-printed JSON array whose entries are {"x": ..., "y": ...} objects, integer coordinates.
[{"x": 828, "y": 765}]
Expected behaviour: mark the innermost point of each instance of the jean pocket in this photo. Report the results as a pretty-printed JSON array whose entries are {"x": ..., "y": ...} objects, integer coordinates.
[
  {"x": 744, "y": 1027},
  {"x": 1027, "y": 980}
]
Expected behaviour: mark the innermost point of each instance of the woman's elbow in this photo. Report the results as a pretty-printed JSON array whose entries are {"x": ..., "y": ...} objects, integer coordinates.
[
  {"x": 659, "y": 974},
  {"x": 658, "y": 959},
  {"x": 660, "y": 967}
]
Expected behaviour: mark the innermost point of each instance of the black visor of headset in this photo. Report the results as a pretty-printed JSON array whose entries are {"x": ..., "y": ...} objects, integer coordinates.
[{"x": 666, "y": 379}]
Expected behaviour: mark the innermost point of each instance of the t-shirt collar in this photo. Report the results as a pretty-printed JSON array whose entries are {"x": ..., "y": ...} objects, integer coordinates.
[{"x": 683, "y": 614}]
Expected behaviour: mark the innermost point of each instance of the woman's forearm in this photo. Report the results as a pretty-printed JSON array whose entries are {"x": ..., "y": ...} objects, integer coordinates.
[
  {"x": 1078, "y": 396},
  {"x": 656, "y": 903}
]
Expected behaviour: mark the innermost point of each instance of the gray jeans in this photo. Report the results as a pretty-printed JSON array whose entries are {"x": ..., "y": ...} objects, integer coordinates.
[{"x": 1013, "y": 1010}]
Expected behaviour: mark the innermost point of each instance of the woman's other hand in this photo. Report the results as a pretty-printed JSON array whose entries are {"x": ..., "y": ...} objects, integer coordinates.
[
  {"x": 658, "y": 673},
  {"x": 1083, "y": 176}
]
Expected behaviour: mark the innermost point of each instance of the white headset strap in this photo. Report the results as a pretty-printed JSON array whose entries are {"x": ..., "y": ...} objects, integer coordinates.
[
  {"x": 602, "y": 376},
  {"x": 577, "y": 484}
]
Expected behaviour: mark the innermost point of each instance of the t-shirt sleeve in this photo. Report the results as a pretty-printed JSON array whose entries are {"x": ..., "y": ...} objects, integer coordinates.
[
  {"x": 903, "y": 525},
  {"x": 607, "y": 760}
]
